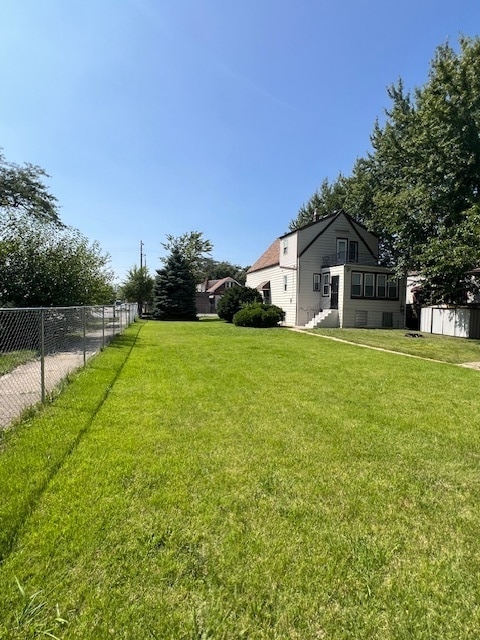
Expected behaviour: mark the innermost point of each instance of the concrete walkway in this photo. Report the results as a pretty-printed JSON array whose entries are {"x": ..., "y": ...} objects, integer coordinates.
[
  {"x": 469, "y": 365},
  {"x": 21, "y": 388}
]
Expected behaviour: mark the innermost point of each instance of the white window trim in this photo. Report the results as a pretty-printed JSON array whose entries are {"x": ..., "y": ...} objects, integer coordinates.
[
  {"x": 357, "y": 295},
  {"x": 351, "y": 244},
  {"x": 384, "y": 276},
  {"x": 326, "y": 284},
  {"x": 395, "y": 283},
  {"x": 371, "y": 284}
]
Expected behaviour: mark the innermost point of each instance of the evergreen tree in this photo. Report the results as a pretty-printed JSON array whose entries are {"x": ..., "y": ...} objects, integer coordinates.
[{"x": 174, "y": 292}]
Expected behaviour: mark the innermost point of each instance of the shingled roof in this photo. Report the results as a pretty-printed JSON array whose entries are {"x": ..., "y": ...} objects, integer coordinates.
[
  {"x": 270, "y": 258},
  {"x": 216, "y": 284}
]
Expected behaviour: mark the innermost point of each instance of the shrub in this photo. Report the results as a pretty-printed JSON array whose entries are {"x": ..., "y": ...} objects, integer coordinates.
[
  {"x": 234, "y": 299},
  {"x": 258, "y": 315}
]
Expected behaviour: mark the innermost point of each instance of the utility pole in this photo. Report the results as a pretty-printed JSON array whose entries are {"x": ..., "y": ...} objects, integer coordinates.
[{"x": 140, "y": 302}]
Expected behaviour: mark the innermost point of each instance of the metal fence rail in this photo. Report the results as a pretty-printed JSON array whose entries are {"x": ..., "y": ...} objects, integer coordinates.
[{"x": 40, "y": 347}]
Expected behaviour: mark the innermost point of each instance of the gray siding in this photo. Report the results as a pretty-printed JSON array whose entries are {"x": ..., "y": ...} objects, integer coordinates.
[{"x": 375, "y": 307}]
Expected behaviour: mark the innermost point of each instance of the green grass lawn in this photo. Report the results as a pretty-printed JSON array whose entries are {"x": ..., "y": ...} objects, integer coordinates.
[
  {"x": 444, "y": 348},
  {"x": 200, "y": 480}
]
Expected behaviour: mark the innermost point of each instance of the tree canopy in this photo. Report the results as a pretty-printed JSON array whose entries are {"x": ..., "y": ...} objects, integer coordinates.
[
  {"x": 327, "y": 199},
  {"x": 419, "y": 187},
  {"x": 215, "y": 270},
  {"x": 43, "y": 262},
  {"x": 23, "y": 192},
  {"x": 138, "y": 287},
  {"x": 193, "y": 247},
  {"x": 50, "y": 266}
]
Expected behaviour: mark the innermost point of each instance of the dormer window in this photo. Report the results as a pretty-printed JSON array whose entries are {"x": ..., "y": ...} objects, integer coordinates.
[{"x": 342, "y": 246}]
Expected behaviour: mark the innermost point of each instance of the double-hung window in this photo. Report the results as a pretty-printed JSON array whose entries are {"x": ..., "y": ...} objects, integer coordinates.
[
  {"x": 393, "y": 288},
  {"x": 381, "y": 285},
  {"x": 342, "y": 245},
  {"x": 316, "y": 281},
  {"x": 285, "y": 283},
  {"x": 326, "y": 284},
  {"x": 353, "y": 251},
  {"x": 369, "y": 285},
  {"x": 357, "y": 284}
]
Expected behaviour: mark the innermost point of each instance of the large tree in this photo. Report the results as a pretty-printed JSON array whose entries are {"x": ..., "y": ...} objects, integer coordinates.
[
  {"x": 50, "y": 266},
  {"x": 174, "y": 292},
  {"x": 419, "y": 187},
  {"x": 23, "y": 192},
  {"x": 43, "y": 262},
  {"x": 425, "y": 173}
]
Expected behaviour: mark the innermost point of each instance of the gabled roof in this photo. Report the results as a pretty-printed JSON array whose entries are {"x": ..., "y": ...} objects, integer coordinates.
[
  {"x": 329, "y": 218},
  {"x": 270, "y": 258},
  {"x": 310, "y": 224},
  {"x": 216, "y": 284}
]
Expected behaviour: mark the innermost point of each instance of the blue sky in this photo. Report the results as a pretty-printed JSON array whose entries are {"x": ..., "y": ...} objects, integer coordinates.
[{"x": 158, "y": 117}]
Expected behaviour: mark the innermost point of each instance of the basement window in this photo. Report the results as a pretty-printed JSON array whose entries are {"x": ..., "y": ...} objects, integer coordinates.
[
  {"x": 361, "y": 318},
  {"x": 387, "y": 319}
]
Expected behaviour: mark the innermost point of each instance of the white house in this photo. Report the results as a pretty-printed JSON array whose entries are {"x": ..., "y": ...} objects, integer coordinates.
[{"x": 326, "y": 274}]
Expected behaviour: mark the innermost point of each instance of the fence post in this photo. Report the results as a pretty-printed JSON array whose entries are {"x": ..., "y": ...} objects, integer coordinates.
[
  {"x": 103, "y": 327},
  {"x": 42, "y": 353},
  {"x": 84, "y": 336}
]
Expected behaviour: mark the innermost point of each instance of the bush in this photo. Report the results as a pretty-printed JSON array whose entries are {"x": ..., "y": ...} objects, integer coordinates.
[
  {"x": 258, "y": 315},
  {"x": 234, "y": 299}
]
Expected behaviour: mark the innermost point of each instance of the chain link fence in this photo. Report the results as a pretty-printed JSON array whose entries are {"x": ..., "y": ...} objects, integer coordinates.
[{"x": 40, "y": 347}]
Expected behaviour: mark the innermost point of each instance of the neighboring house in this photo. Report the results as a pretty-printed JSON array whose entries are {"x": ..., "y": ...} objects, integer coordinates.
[
  {"x": 326, "y": 274},
  {"x": 209, "y": 293}
]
